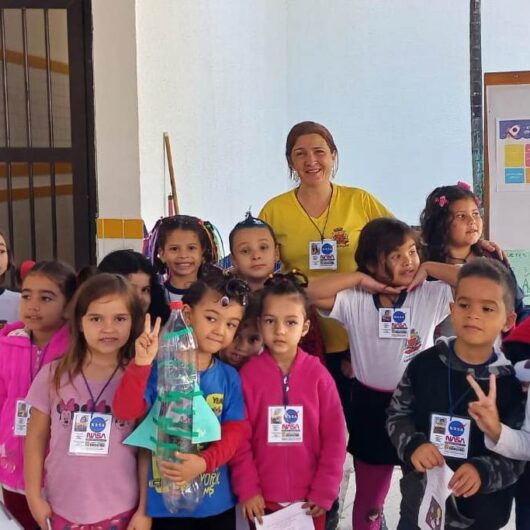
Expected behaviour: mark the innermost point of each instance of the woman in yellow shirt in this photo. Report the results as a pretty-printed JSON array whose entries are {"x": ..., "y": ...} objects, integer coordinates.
[{"x": 317, "y": 225}]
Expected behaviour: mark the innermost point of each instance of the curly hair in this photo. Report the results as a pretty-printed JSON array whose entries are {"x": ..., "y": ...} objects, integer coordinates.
[{"x": 436, "y": 218}]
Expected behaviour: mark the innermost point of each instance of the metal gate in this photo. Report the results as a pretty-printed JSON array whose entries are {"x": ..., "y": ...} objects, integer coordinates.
[{"x": 47, "y": 177}]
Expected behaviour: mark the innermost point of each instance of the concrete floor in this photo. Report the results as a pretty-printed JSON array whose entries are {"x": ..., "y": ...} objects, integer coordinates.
[{"x": 391, "y": 505}]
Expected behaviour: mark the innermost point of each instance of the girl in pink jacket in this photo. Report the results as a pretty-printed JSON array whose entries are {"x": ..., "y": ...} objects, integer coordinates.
[
  {"x": 25, "y": 347},
  {"x": 297, "y": 445}
]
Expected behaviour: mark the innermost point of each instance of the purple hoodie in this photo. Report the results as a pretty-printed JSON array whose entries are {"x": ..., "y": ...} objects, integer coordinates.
[{"x": 18, "y": 357}]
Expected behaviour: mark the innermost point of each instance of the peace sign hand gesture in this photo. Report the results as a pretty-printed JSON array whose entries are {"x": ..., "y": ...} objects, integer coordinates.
[
  {"x": 484, "y": 411},
  {"x": 146, "y": 345}
]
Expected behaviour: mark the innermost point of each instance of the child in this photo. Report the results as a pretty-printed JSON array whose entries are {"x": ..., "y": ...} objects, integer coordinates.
[
  {"x": 214, "y": 307},
  {"x": 25, "y": 347},
  {"x": 451, "y": 227},
  {"x": 9, "y": 300},
  {"x": 254, "y": 251},
  {"x": 184, "y": 244},
  {"x": 142, "y": 277},
  {"x": 247, "y": 341},
  {"x": 388, "y": 264},
  {"x": 286, "y": 387},
  {"x": 71, "y": 406},
  {"x": 432, "y": 400}
]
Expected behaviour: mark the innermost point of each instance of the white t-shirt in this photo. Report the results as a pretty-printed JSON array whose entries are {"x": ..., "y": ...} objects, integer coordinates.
[
  {"x": 380, "y": 363},
  {"x": 9, "y": 305}
]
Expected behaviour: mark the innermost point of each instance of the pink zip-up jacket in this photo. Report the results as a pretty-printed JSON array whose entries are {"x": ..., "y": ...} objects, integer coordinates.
[
  {"x": 311, "y": 470},
  {"x": 17, "y": 358}
]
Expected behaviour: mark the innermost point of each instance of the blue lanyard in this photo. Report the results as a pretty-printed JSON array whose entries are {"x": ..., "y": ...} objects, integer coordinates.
[{"x": 453, "y": 406}]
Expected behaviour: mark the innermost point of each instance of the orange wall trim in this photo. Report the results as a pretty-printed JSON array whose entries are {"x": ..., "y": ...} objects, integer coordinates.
[
  {"x": 120, "y": 229},
  {"x": 35, "y": 61},
  {"x": 39, "y": 169},
  {"x": 22, "y": 194}
]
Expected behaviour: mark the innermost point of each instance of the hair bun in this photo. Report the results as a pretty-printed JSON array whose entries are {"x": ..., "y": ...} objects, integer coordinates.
[{"x": 295, "y": 276}]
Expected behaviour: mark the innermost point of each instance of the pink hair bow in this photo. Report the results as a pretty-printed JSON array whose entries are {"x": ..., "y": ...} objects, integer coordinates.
[
  {"x": 441, "y": 201},
  {"x": 463, "y": 185}
]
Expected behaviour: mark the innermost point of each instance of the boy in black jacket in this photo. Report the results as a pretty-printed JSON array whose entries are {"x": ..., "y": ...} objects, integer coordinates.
[{"x": 433, "y": 397}]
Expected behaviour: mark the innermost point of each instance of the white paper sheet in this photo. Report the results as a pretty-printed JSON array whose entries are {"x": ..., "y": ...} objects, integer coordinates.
[
  {"x": 292, "y": 517},
  {"x": 432, "y": 509}
]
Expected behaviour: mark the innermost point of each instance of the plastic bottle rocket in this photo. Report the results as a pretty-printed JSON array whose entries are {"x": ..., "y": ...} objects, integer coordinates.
[{"x": 177, "y": 380}]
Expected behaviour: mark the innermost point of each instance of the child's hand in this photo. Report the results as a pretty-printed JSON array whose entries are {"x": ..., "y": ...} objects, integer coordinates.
[
  {"x": 190, "y": 467},
  {"x": 254, "y": 508},
  {"x": 484, "y": 411},
  {"x": 466, "y": 481},
  {"x": 140, "y": 521},
  {"x": 425, "y": 457},
  {"x": 370, "y": 285},
  {"x": 420, "y": 276},
  {"x": 146, "y": 344},
  {"x": 40, "y": 510},
  {"x": 314, "y": 510}
]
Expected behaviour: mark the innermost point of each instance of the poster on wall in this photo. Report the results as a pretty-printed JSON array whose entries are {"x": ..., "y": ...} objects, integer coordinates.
[
  {"x": 520, "y": 263},
  {"x": 513, "y": 155}
]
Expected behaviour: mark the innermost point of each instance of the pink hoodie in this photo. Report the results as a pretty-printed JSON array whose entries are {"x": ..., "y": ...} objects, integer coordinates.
[
  {"x": 310, "y": 470},
  {"x": 17, "y": 358}
]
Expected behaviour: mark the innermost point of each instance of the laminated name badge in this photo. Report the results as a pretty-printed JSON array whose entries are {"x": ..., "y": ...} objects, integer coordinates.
[
  {"x": 450, "y": 434},
  {"x": 286, "y": 424},
  {"x": 90, "y": 434},
  {"x": 394, "y": 323},
  {"x": 22, "y": 411},
  {"x": 323, "y": 255}
]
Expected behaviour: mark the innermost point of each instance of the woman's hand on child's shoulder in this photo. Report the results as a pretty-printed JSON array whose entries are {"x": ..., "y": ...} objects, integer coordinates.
[
  {"x": 254, "y": 508},
  {"x": 40, "y": 510},
  {"x": 426, "y": 456},
  {"x": 314, "y": 510},
  {"x": 465, "y": 481},
  {"x": 146, "y": 345}
]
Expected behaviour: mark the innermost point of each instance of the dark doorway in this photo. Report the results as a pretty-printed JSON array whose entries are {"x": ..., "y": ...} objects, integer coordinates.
[{"x": 47, "y": 175}]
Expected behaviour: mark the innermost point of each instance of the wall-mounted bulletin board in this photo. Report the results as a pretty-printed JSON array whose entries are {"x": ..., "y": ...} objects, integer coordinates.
[{"x": 507, "y": 168}]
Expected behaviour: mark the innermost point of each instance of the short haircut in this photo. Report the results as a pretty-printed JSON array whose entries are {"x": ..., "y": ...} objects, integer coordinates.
[{"x": 493, "y": 270}]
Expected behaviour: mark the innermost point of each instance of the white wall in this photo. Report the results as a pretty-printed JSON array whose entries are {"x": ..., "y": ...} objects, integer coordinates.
[
  {"x": 213, "y": 75},
  {"x": 390, "y": 79}
]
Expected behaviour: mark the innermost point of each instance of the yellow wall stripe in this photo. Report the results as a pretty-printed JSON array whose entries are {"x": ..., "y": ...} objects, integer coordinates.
[{"x": 120, "y": 228}]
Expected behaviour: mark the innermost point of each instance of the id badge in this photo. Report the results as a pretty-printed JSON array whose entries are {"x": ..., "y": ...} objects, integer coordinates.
[
  {"x": 286, "y": 424},
  {"x": 323, "y": 255},
  {"x": 22, "y": 411},
  {"x": 450, "y": 434},
  {"x": 394, "y": 323},
  {"x": 90, "y": 435}
]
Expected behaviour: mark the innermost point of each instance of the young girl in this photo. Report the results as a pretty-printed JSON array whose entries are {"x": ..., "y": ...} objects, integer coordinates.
[
  {"x": 214, "y": 307},
  {"x": 297, "y": 445},
  {"x": 25, "y": 347},
  {"x": 184, "y": 243},
  {"x": 386, "y": 330},
  {"x": 247, "y": 340},
  {"x": 451, "y": 227},
  {"x": 255, "y": 251},
  {"x": 9, "y": 300},
  {"x": 73, "y": 441},
  {"x": 142, "y": 277}
]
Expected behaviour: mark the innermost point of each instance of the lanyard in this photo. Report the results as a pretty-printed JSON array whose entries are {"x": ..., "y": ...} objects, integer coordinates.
[
  {"x": 453, "y": 406},
  {"x": 95, "y": 401},
  {"x": 321, "y": 233},
  {"x": 39, "y": 360},
  {"x": 395, "y": 305}
]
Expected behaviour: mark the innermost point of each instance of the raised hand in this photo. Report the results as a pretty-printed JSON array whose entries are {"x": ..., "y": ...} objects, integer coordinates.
[
  {"x": 484, "y": 411},
  {"x": 370, "y": 285},
  {"x": 146, "y": 345}
]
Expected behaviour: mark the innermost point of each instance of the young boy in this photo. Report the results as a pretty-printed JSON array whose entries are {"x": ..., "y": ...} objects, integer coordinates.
[{"x": 432, "y": 400}]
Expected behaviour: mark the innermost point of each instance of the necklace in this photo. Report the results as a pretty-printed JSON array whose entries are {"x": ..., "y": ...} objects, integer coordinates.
[
  {"x": 458, "y": 261},
  {"x": 320, "y": 232}
]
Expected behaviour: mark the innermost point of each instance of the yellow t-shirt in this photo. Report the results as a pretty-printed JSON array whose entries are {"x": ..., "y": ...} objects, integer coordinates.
[{"x": 350, "y": 210}]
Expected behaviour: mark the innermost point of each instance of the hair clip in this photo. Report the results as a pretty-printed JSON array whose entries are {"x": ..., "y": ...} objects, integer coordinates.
[
  {"x": 463, "y": 185},
  {"x": 225, "y": 301},
  {"x": 441, "y": 201}
]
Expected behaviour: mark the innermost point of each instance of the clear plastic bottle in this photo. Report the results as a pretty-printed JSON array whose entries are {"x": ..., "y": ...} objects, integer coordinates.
[{"x": 177, "y": 375}]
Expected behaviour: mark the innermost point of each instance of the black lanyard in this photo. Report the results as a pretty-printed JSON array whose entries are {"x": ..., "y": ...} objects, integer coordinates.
[
  {"x": 453, "y": 406},
  {"x": 395, "y": 305},
  {"x": 321, "y": 233},
  {"x": 95, "y": 401}
]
